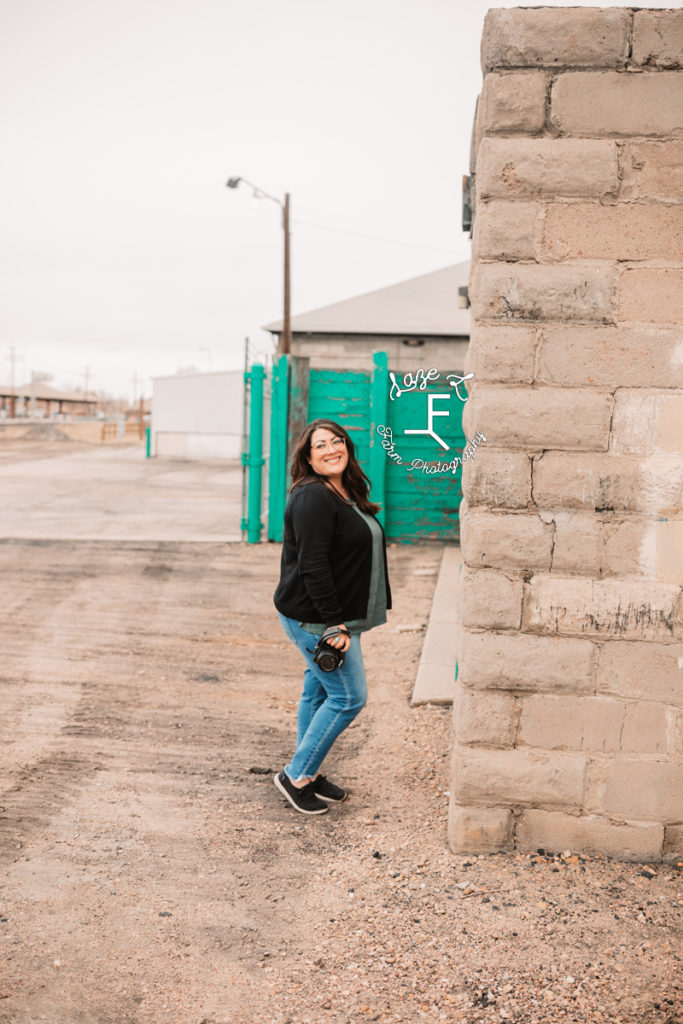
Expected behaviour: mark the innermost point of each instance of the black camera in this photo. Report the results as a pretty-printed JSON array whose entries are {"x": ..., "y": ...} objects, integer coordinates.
[{"x": 328, "y": 658}]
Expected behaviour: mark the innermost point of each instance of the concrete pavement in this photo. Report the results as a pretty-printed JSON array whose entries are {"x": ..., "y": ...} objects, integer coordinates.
[
  {"x": 69, "y": 491},
  {"x": 435, "y": 682},
  {"x": 61, "y": 491}
]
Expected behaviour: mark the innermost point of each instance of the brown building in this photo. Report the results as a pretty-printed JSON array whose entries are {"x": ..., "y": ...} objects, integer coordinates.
[{"x": 39, "y": 399}]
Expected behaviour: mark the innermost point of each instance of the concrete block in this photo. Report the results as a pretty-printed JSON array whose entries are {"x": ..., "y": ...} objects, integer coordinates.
[
  {"x": 489, "y": 719},
  {"x": 497, "y": 479},
  {"x": 645, "y": 729},
  {"x": 546, "y": 37},
  {"x": 514, "y": 101},
  {"x": 503, "y": 353},
  {"x": 614, "y": 356},
  {"x": 673, "y": 843},
  {"x": 578, "y": 543},
  {"x": 658, "y": 38},
  {"x": 596, "y": 724},
  {"x": 668, "y": 424},
  {"x": 526, "y": 663},
  {"x": 666, "y": 536},
  {"x": 500, "y": 541},
  {"x": 588, "y": 833},
  {"x": 506, "y": 230},
  {"x": 675, "y": 734},
  {"x": 651, "y": 295},
  {"x": 516, "y": 168},
  {"x": 627, "y": 551},
  {"x": 633, "y": 231},
  {"x": 610, "y": 103},
  {"x": 485, "y": 776},
  {"x": 647, "y": 421},
  {"x": 604, "y": 482},
  {"x": 504, "y": 291},
  {"x": 491, "y": 599},
  {"x": 647, "y": 548},
  {"x": 623, "y": 609},
  {"x": 571, "y": 723},
  {"x": 652, "y": 170},
  {"x": 479, "y": 829},
  {"x": 636, "y": 789},
  {"x": 542, "y": 417},
  {"x": 644, "y": 671},
  {"x": 475, "y": 142}
]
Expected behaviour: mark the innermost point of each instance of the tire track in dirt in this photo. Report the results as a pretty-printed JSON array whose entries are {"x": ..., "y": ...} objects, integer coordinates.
[
  {"x": 80, "y": 639},
  {"x": 137, "y": 812}
]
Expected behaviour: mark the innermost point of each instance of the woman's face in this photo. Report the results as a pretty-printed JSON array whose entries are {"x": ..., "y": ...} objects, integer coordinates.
[{"x": 328, "y": 456}]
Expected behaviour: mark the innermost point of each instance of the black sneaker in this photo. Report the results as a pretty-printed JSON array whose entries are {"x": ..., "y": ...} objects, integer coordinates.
[
  {"x": 302, "y": 799},
  {"x": 328, "y": 791}
]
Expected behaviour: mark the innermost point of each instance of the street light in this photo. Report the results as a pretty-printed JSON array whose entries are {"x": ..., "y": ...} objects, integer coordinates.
[{"x": 258, "y": 193}]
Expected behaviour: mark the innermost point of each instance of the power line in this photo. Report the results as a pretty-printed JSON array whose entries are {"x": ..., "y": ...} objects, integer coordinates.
[{"x": 375, "y": 238}]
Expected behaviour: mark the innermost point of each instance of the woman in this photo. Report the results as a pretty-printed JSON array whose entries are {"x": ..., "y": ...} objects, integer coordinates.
[{"x": 333, "y": 574}]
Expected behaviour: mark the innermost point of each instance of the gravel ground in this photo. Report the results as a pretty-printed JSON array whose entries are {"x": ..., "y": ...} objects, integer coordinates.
[{"x": 152, "y": 874}]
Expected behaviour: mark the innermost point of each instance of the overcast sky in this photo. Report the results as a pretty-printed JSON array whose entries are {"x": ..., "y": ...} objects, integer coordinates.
[{"x": 121, "y": 249}]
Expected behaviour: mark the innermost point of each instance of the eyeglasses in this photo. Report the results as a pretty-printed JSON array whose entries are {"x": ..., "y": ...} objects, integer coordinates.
[{"x": 336, "y": 444}]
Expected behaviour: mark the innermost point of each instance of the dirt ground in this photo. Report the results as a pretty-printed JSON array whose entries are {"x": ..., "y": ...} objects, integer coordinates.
[{"x": 152, "y": 874}]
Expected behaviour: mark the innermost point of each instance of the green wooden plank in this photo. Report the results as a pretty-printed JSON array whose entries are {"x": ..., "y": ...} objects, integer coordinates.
[
  {"x": 343, "y": 396},
  {"x": 415, "y": 505},
  {"x": 425, "y": 505},
  {"x": 299, "y": 374}
]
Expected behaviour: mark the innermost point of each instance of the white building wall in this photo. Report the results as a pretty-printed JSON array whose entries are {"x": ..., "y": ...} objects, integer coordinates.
[{"x": 198, "y": 416}]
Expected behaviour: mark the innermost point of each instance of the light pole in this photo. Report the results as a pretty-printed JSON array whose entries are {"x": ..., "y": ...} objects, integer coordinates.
[{"x": 258, "y": 193}]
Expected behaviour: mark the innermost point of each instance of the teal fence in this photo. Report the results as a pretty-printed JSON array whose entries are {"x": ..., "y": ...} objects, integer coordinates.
[{"x": 421, "y": 494}]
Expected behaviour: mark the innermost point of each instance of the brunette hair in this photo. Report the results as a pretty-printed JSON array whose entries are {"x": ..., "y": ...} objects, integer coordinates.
[{"x": 356, "y": 482}]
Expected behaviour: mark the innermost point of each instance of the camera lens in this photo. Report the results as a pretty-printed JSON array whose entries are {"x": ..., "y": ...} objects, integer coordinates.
[{"x": 328, "y": 662}]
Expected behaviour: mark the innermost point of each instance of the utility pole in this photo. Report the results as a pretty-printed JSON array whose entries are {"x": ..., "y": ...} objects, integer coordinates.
[
  {"x": 12, "y": 397},
  {"x": 286, "y": 345}
]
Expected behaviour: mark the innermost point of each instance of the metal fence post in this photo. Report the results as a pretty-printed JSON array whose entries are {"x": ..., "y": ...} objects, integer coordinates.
[
  {"x": 254, "y": 460},
  {"x": 277, "y": 477}
]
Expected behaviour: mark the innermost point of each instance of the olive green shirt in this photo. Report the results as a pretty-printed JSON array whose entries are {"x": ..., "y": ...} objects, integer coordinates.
[{"x": 377, "y": 598}]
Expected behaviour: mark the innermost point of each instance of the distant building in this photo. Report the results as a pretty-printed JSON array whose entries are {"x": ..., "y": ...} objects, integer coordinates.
[
  {"x": 198, "y": 415},
  {"x": 423, "y": 321},
  {"x": 38, "y": 399}
]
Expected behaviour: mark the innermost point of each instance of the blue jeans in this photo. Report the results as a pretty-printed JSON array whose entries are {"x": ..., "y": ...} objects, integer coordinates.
[{"x": 329, "y": 701}]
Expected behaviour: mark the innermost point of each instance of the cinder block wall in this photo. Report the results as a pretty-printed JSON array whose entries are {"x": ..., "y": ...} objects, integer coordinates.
[{"x": 569, "y": 712}]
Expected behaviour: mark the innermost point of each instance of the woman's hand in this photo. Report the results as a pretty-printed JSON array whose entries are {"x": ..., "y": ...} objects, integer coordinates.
[{"x": 341, "y": 642}]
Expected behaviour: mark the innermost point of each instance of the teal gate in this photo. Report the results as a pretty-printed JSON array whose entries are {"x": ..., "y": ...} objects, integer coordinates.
[{"x": 415, "y": 474}]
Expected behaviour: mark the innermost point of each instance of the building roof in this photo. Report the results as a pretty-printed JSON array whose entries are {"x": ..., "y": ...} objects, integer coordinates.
[
  {"x": 42, "y": 392},
  {"x": 424, "y": 305}
]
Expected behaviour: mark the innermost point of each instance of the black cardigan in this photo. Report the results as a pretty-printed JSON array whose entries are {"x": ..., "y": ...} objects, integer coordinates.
[{"x": 326, "y": 559}]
